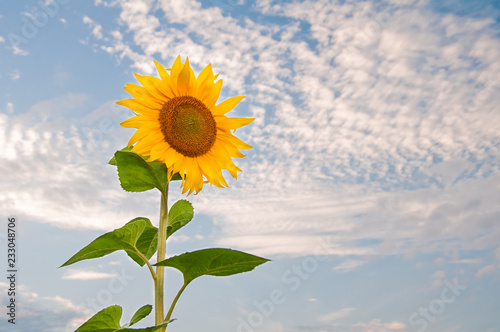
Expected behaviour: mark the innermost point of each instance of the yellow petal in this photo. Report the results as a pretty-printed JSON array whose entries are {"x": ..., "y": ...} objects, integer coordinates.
[
  {"x": 184, "y": 78},
  {"x": 212, "y": 170},
  {"x": 152, "y": 86},
  {"x": 205, "y": 90},
  {"x": 234, "y": 140},
  {"x": 178, "y": 166},
  {"x": 214, "y": 94},
  {"x": 138, "y": 135},
  {"x": 143, "y": 96},
  {"x": 158, "y": 151},
  {"x": 139, "y": 120},
  {"x": 194, "y": 178},
  {"x": 209, "y": 169},
  {"x": 137, "y": 107},
  {"x": 206, "y": 73},
  {"x": 226, "y": 105},
  {"x": 133, "y": 122},
  {"x": 145, "y": 145},
  {"x": 231, "y": 149},
  {"x": 166, "y": 85},
  {"x": 176, "y": 68},
  {"x": 233, "y": 170},
  {"x": 171, "y": 157},
  {"x": 162, "y": 71},
  {"x": 205, "y": 82},
  {"x": 233, "y": 123}
]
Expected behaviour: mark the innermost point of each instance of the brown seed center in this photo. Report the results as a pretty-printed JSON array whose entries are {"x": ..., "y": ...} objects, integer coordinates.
[{"x": 188, "y": 126}]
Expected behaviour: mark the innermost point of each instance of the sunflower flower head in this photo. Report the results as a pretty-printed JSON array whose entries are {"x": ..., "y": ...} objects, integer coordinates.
[{"x": 178, "y": 123}]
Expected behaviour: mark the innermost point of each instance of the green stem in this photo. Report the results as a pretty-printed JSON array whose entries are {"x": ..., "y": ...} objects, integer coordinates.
[
  {"x": 144, "y": 258},
  {"x": 174, "y": 302},
  {"x": 162, "y": 238}
]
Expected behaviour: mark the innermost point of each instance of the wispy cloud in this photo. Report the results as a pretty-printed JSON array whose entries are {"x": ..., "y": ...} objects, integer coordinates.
[
  {"x": 73, "y": 274},
  {"x": 47, "y": 313},
  {"x": 344, "y": 312},
  {"x": 96, "y": 28},
  {"x": 376, "y": 325},
  {"x": 468, "y": 261},
  {"x": 56, "y": 160},
  {"x": 15, "y": 75},
  {"x": 374, "y": 120},
  {"x": 486, "y": 270},
  {"x": 348, "y": 265}
]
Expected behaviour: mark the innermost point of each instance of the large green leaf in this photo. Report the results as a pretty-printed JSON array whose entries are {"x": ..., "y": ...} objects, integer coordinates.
[
  {"x": 133, "y": 237},
  {"x": 179, "y": 215},
  {"x": 112, "y": 161},
  {"x": 137, "y": 175},
  {"x": 214, "y": 262},
  {"x": 108, "y": 320},
  {"x": 148, "y": 175}
]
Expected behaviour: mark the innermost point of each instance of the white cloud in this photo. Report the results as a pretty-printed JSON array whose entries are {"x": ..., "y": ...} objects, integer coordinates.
[
  {"x": 374, "y": 121},
  {"x": 486, "y": 270},
  {"x": 376, "y": 325},
  {"x": 46, "y": 313},
  {"x": 439, "y": 261},
  {"x": 56, "y": 159},
  {"x": 348, "y": 265},
  {"x": 468, "y": 261},
  {"x": 437, "y": 279},
  {"x": 73, "y": 274},
  {"x": 10, "y": 108},
  {"x": 15, "y": 75},
  {"x": 336, "y": 315},
  {"x": 16, "y": 50},
  {"x": 96, "y": 28}
]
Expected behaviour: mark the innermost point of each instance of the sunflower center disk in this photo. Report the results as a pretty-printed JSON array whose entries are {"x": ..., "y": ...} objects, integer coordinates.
[{"x": 188, "y": 126}]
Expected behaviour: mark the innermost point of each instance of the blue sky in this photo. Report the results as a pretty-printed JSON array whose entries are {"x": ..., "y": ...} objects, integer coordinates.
[{"x": 373, "y": 184}]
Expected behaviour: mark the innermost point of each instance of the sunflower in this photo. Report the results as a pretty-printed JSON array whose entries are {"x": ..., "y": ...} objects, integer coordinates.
[{"x": 179, "y": 124}]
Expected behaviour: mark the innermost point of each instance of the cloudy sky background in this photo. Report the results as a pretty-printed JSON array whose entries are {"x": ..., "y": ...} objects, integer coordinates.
[{"x": 374, "y": 182}]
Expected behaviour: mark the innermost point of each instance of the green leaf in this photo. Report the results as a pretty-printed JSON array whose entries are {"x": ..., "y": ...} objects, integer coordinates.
[
  {"x": 141, "y": 314},
  {"x": 214, "y": 262},
  {"x": 106, "y": 320},
  {"x": 112, "y": 161},
  {"x": 179, "y": 215},
  {"x": 124, "y": 238},
  {"x": 147, "y": 329},
  {"x": 147, "y": 242},
  {"x": 160, "y": 169},
  {"x": 137, "y": 175}
]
